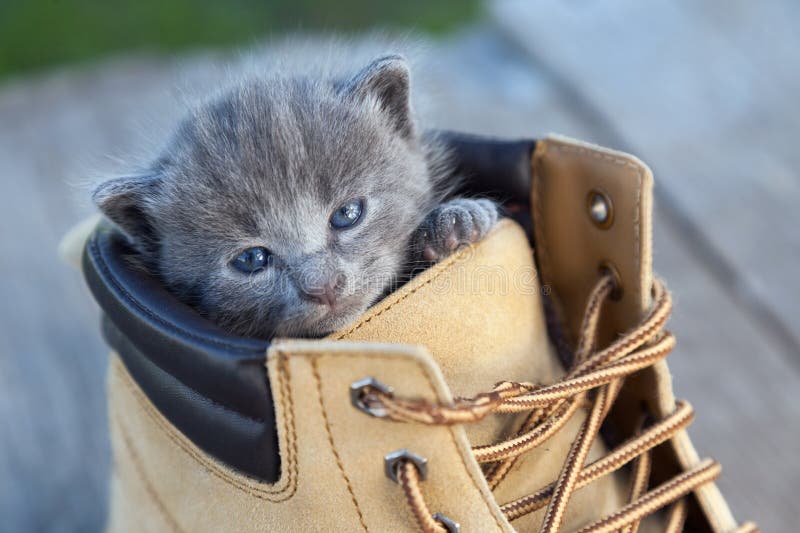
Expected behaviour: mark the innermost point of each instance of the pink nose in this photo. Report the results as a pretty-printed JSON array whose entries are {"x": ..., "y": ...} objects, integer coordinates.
[{"x": 324, "y": 295}]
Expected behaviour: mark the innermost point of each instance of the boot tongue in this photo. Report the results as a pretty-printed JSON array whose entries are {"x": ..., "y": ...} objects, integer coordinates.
[{"x": 480, "y": 315}]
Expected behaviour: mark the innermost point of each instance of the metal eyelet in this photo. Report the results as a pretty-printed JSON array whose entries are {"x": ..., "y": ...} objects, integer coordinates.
[
  {"x": 449, "y": 524},
  {"x": 390, "y": 463},
  {"x": 600, "y": 208},
  {"x": 607, "y": 267},
  {"x": 391, "y": 460},
  {"x": 357, "y": 390}
]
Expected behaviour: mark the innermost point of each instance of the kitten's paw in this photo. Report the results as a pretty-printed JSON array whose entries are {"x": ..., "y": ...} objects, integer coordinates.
[{"x": 454, "y": 224}]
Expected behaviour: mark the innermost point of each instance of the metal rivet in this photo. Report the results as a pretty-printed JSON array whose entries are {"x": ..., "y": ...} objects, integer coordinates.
[
  {"x": 390, "y": 462},
  {"x": 450, "y": 525},
  {"x": 600, "y": 208},
  {"x": 607, "y": 267},
  {"x": 357, "y": 391}
]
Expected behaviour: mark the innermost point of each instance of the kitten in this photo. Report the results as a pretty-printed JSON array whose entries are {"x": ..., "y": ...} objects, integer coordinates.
[{"x": 288, "y": 205}]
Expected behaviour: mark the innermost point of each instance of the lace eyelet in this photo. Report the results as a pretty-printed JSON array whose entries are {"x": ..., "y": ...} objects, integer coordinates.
[
  {"x": 358, "y": 390},
  {"x": 392, "y": 460},
  {"x": 449, "y": 524},
  {"x": 600, "y": 208},
  {"x": 607, "y": 267}
]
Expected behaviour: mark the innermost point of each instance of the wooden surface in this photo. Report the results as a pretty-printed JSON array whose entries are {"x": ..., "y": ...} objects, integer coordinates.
[{"x": 725, "y": 228}]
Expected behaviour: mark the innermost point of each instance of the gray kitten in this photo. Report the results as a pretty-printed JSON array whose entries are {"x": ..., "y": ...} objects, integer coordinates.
[{"x": 289, "y": 205}]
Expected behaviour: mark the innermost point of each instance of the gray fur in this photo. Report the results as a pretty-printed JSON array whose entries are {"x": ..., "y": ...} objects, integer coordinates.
[
  {"x": 451, "y": 225},
  {"x": 265, "y": 164}
]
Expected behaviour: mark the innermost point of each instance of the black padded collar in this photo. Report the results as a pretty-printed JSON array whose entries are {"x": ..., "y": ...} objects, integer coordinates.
[
  {"x": 493, "y": 167},
  {"x": 213, "y": 386}
]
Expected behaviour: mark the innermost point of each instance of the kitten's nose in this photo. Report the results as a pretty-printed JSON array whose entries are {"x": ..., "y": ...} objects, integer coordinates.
[
  {"x": 322, "y": 293},
  {"x": 325, "y": 294}
]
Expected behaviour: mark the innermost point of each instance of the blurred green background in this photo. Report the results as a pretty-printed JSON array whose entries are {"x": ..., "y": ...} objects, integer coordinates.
[{"x": 42, "y": 33}]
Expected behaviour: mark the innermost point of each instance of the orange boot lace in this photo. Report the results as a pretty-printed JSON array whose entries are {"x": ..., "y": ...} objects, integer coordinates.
[{"x": 594, "y": 379}]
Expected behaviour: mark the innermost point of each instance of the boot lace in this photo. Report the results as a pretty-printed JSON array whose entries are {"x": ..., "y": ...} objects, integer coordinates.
[{"x": 594, "y": 381}]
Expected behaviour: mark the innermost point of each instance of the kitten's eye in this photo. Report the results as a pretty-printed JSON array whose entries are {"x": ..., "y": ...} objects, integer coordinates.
[
  {"x": 251, "y": 260},
  {"x": 347, "y": 215}
]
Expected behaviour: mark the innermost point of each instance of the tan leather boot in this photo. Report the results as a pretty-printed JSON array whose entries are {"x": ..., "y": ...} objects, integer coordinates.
[{"x": 506, "y": 388}]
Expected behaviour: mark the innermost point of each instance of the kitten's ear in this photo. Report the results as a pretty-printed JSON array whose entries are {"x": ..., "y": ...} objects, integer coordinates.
[
  {"x": 387, "y": 79},
  {"x": 125, "y": 202}
]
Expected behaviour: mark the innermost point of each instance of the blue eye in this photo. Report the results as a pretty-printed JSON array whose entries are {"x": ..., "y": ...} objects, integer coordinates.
[
  {"x": 347, "y": 215},
  {"x": 252, "y": 260}
]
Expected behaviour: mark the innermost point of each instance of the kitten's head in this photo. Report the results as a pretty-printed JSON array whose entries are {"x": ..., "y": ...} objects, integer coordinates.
[{"x": 285, "y": 206}]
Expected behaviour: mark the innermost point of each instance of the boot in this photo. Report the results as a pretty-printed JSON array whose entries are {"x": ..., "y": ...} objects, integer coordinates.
[{"x": 520, "y": 384}]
